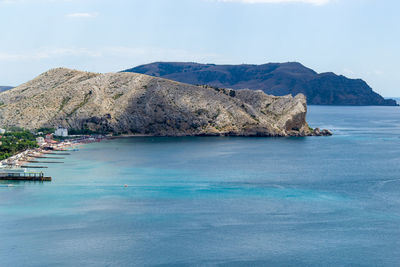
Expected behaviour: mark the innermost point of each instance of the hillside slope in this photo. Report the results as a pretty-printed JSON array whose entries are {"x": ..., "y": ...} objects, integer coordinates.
[
  {"x": 273, "y": 78},
  {"x": 130, "y": 103}
]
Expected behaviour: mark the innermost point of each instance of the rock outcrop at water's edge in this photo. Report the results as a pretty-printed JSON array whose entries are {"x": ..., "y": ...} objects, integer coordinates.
[{"x": 130, "y": 103}]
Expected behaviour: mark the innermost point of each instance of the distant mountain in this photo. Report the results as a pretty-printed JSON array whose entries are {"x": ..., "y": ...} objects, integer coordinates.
[
  {"x": 273, "y": 78},
  {"x": 397, "y": 99},
  {"x": 5, "y": 88}
]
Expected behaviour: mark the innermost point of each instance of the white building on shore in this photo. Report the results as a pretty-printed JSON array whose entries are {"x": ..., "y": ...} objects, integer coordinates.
[
  {"x": 61, "y": 132},
  {"x": 40, "y": 140}
]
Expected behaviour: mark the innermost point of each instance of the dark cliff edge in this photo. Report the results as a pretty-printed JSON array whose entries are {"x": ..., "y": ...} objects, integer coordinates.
[{"x": 273, "y": 78}]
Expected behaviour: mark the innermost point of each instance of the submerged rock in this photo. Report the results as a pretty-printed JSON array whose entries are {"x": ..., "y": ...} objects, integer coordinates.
[
  {"x": 323, "y": 132},
  {"x": 130, "y": 103}
]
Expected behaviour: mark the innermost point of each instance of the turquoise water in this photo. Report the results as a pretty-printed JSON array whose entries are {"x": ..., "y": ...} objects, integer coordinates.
[{"x": 315, "y": 201}]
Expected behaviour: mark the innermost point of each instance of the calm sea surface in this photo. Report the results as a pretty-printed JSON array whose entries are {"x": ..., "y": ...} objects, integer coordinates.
[{"x": 315, "y": 201}]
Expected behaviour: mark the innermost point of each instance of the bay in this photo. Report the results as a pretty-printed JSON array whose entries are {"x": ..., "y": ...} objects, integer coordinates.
[{"x": 227, "y": 201}]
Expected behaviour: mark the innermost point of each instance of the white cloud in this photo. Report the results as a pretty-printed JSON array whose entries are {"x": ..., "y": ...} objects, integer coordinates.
[
  {"x": 81, "y": 15},
  {"x": 313, "y": 2}
]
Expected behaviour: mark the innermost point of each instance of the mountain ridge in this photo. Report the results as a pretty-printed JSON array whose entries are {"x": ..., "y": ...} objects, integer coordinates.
[
  {"x": 131, "y": 103},
  {"x": 272, "y": 78},
  {"x": 5, "y": 88}
]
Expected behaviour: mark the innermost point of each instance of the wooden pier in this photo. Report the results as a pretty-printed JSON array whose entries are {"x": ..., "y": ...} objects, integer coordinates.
[
  {"x": 61, "y": 154},
  {"x": 49, "y": 162},
  {"x": 34, "y": 167},
  {"x": 42, "y": 157},
  {"x": 49, "y": 157},
  {"x": 27, "y": 176},
  {"x": 14, "y": 172}
]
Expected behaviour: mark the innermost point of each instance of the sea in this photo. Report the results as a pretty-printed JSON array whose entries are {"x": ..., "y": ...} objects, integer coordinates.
[{"x": 217, "y": 201}]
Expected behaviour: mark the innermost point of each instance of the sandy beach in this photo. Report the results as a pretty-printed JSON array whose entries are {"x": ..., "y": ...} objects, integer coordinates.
[{"x": 23, "y": 158}]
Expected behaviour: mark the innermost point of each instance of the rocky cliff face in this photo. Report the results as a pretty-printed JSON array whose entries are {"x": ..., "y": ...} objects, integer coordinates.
[
  {"x": 132, "y": 103},
  {"x": 273, "y": 78}
]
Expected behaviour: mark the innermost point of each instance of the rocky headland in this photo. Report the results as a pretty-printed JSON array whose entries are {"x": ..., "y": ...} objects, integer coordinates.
[{"x": 131, "y": 103}]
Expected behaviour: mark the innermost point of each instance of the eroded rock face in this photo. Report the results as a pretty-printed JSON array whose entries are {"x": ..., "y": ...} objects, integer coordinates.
[{"x": 134, "y": 103}]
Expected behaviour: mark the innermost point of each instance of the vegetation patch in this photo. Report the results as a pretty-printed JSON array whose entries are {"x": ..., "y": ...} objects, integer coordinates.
[
  {"x": 15, "y": 142},
  {"x": 46, "y": 130},
  {"x": 64, "y": 103},
  {"x": 255, "y": 118},
  {"x": 84, "y": 131},
  {"x": 116, "y": 96},
  {"x": 217, "y": 114},
  {"x": 84, "y": 102},
  {"x": 201, "y": 111},
  {"x": 228, "y": 92}
]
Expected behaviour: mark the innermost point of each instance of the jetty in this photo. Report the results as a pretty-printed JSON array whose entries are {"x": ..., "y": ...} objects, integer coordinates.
[
  {"x": 51, "y": 153},
  {"x": 49, "y": 162},
  {"x": 18, "y": 168},
  {"x": 34, "y": 167},
  {"x": 36, "y": 157},
  {"x": 21, "y": 175},
  {"x": 42, "y": 157},
  {"x": 26, "y": 165}
]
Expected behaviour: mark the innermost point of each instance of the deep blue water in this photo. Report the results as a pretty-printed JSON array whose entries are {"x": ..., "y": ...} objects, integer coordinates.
[{"x": 315, "y": 201}]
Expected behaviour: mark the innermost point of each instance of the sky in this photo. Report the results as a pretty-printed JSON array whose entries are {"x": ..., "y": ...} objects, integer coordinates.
[{"x": 355, "y": 38}]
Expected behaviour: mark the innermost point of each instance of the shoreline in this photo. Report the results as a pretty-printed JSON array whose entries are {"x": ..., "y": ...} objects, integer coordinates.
[
  {"x": 22, "y": 158},
  {"x": 317, "y": 132}
]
